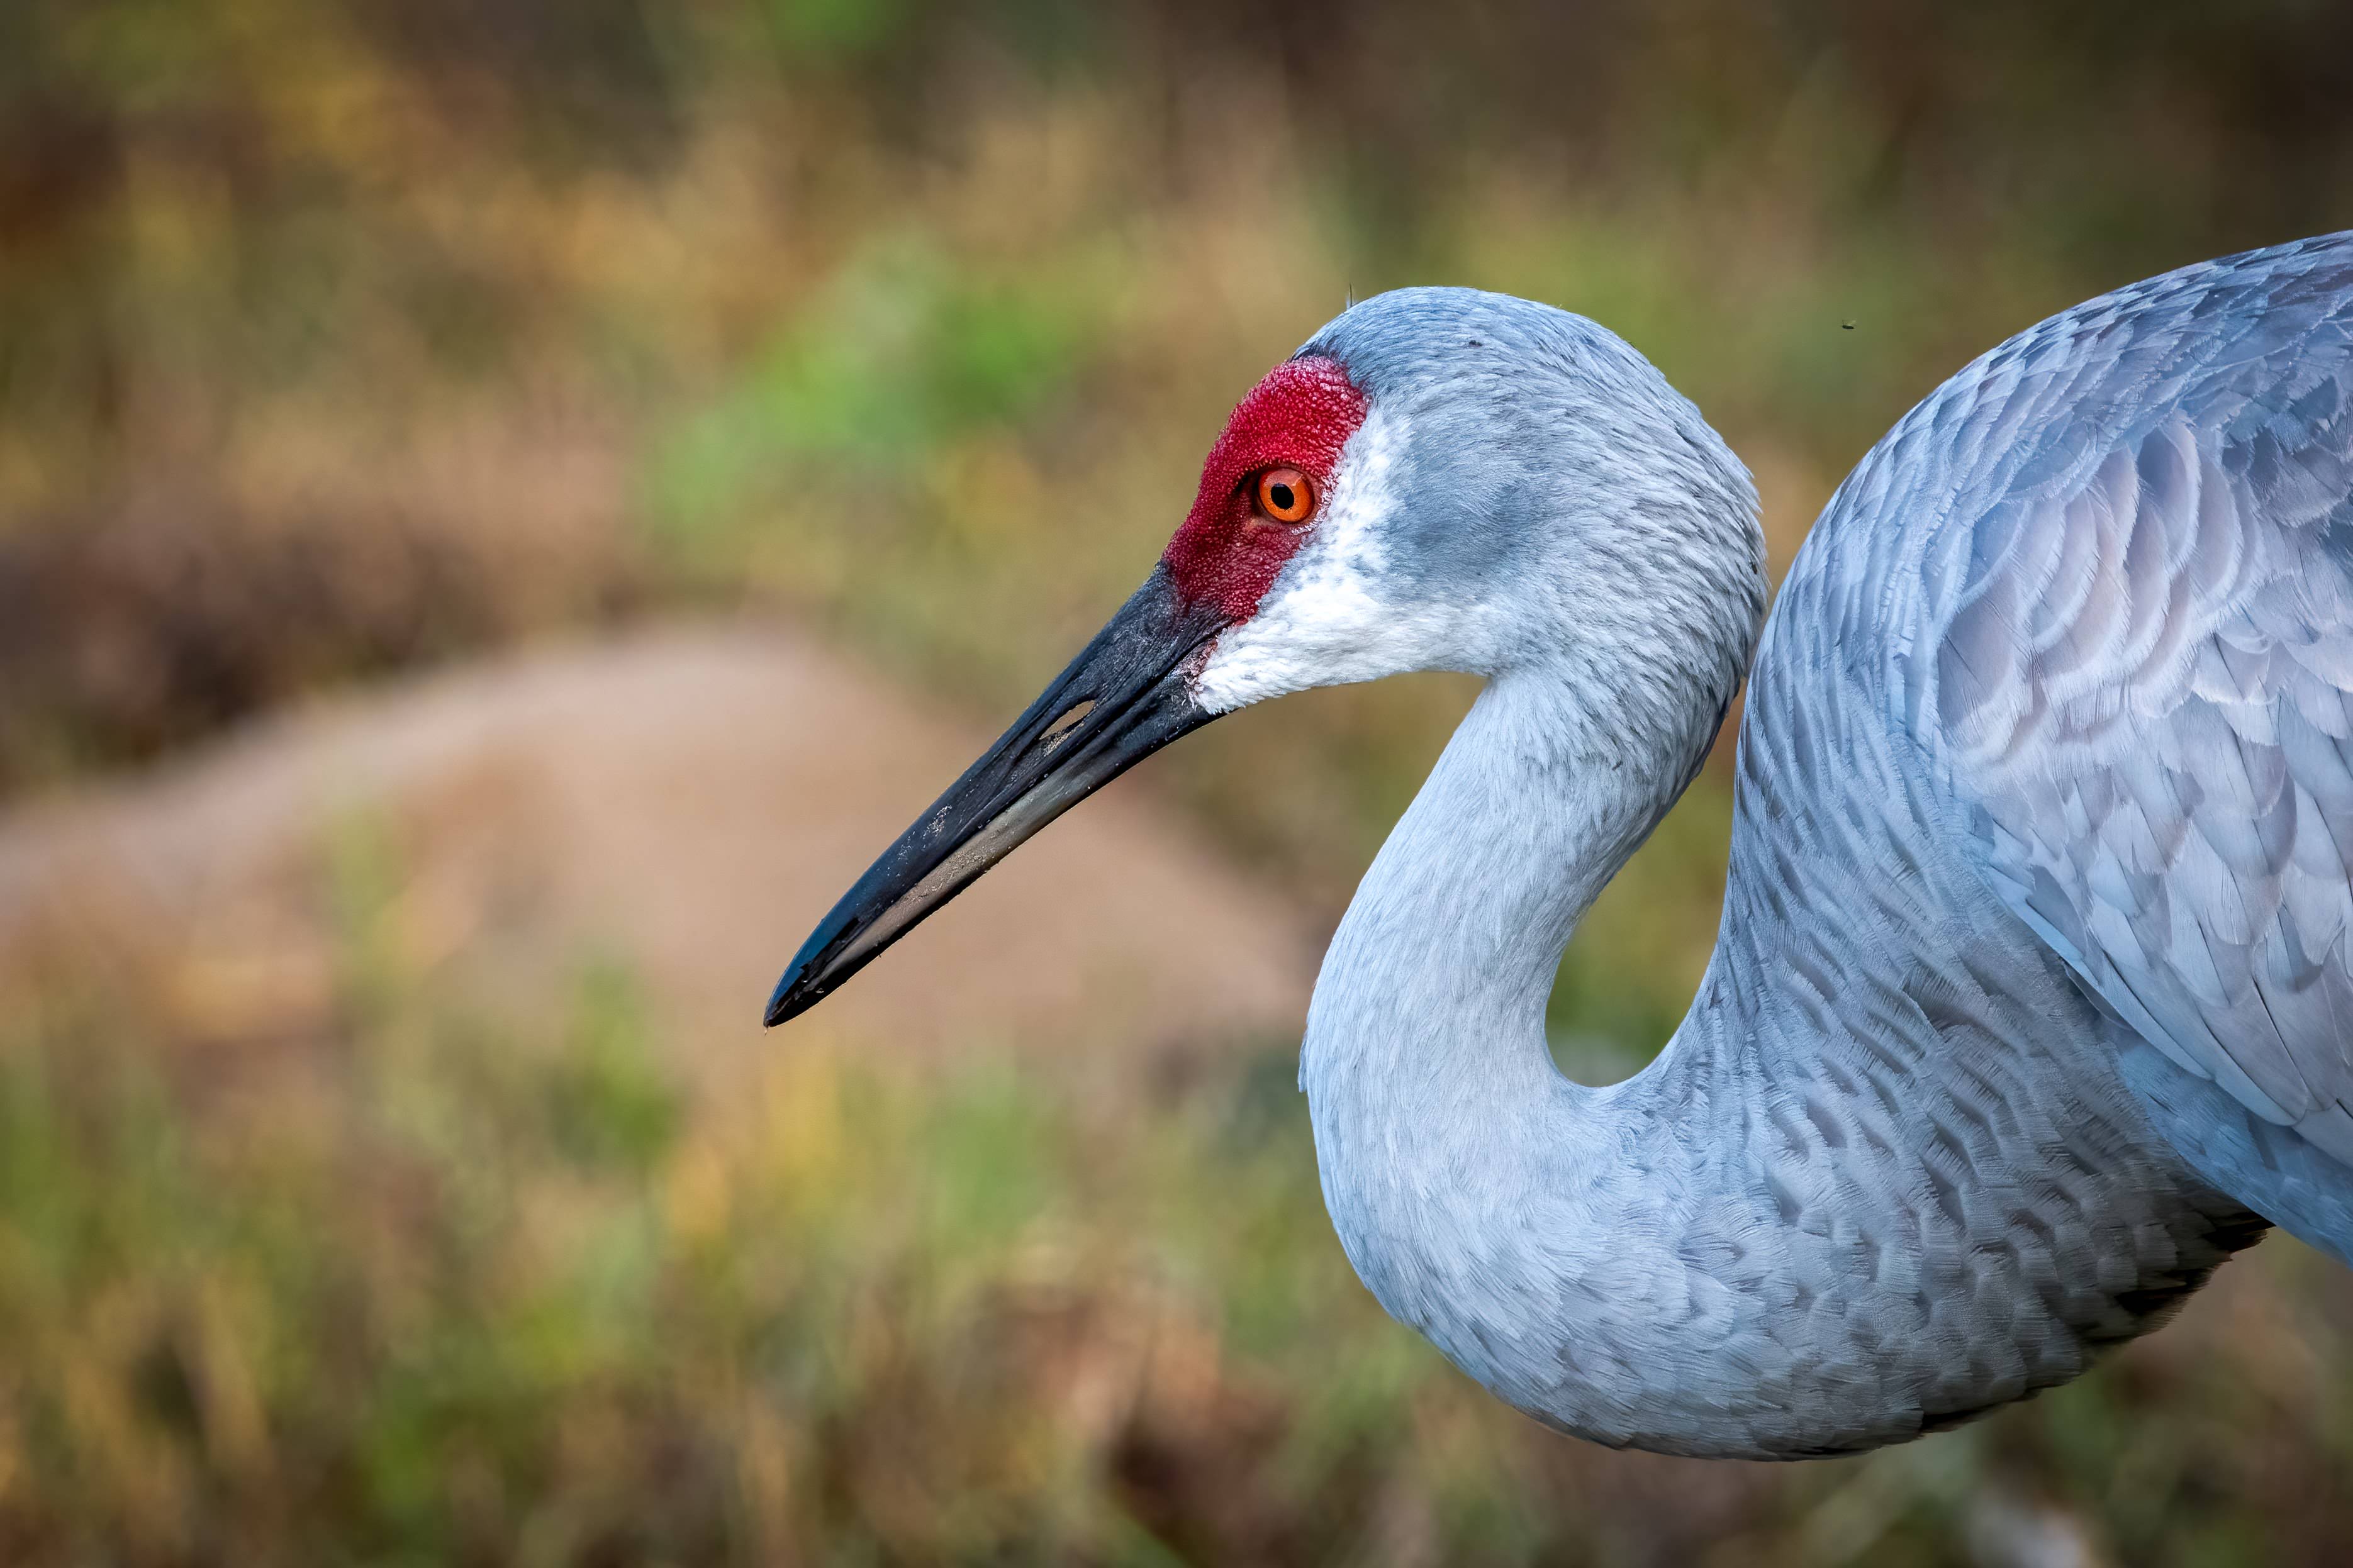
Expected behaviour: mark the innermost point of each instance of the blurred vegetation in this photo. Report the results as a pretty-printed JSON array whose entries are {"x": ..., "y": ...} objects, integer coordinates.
[
  {"x": 457, "y": 1292},
  {"x": 339, "y": 336}
]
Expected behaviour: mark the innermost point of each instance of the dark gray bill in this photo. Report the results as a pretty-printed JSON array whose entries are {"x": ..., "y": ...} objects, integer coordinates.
[{"x": 1121, "y": 700}]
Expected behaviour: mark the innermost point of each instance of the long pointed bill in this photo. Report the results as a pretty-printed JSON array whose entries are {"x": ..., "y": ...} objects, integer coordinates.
[{"x": 1121, "y": 700}]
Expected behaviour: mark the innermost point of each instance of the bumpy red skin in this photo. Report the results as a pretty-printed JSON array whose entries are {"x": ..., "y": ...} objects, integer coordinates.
[{"x": 1300, "y": 416}]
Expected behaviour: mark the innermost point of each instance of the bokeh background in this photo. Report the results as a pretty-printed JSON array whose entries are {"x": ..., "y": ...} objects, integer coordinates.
[{"x": 504, "y": 504}]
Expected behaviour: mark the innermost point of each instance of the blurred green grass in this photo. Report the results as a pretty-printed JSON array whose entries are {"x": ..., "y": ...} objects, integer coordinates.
[
  {"x": 456, "y": 1289},
  {"x": 342, "y": 336}
]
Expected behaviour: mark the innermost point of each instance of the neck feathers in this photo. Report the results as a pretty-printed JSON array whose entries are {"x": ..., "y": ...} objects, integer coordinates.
[{"x": 1883, "y": 1177}]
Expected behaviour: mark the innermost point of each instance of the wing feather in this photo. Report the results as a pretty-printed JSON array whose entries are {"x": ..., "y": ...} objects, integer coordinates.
[{"x": 2121, "y": 596}]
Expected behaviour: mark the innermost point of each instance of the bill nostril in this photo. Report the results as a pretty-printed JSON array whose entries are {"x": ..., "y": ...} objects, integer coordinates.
[{"x": 1060, "y": 730}]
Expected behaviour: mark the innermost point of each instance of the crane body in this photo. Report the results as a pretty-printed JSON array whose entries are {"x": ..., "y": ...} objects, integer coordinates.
[{"x": 2033, "y": 995}]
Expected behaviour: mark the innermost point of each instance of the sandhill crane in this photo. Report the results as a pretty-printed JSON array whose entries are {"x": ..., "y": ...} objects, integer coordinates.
[{"x": 2033, "y": 995}]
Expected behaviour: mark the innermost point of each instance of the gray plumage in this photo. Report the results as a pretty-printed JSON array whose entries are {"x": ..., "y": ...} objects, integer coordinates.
[{"x": 2033, "y": 995}]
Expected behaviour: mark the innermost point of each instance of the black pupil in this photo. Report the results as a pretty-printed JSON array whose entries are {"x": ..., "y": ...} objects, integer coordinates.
[{"x": 1280, "y": 494}]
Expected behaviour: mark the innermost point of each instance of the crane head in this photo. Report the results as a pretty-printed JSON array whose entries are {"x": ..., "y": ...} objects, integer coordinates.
[{"x": 1434, "y": 481}]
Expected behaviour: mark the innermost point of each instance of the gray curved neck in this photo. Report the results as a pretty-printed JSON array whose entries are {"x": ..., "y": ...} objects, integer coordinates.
[
  {"x": 1485, "y": 1199},
  {"x": 1883, "y": 1176},
  {"x": 1439, "y": 975}
]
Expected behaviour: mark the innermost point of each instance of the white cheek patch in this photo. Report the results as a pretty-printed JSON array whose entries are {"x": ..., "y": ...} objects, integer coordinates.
[{"x": 1325, "y": 622}]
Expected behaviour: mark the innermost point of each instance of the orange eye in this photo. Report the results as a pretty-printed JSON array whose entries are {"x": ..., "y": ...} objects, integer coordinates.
[{"x": 1286, "y": 495}]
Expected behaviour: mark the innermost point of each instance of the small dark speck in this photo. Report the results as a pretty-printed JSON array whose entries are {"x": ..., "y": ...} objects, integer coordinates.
[
  {"x": 1846, "y": 326},
  {"x": 1469, "y": 342}
]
